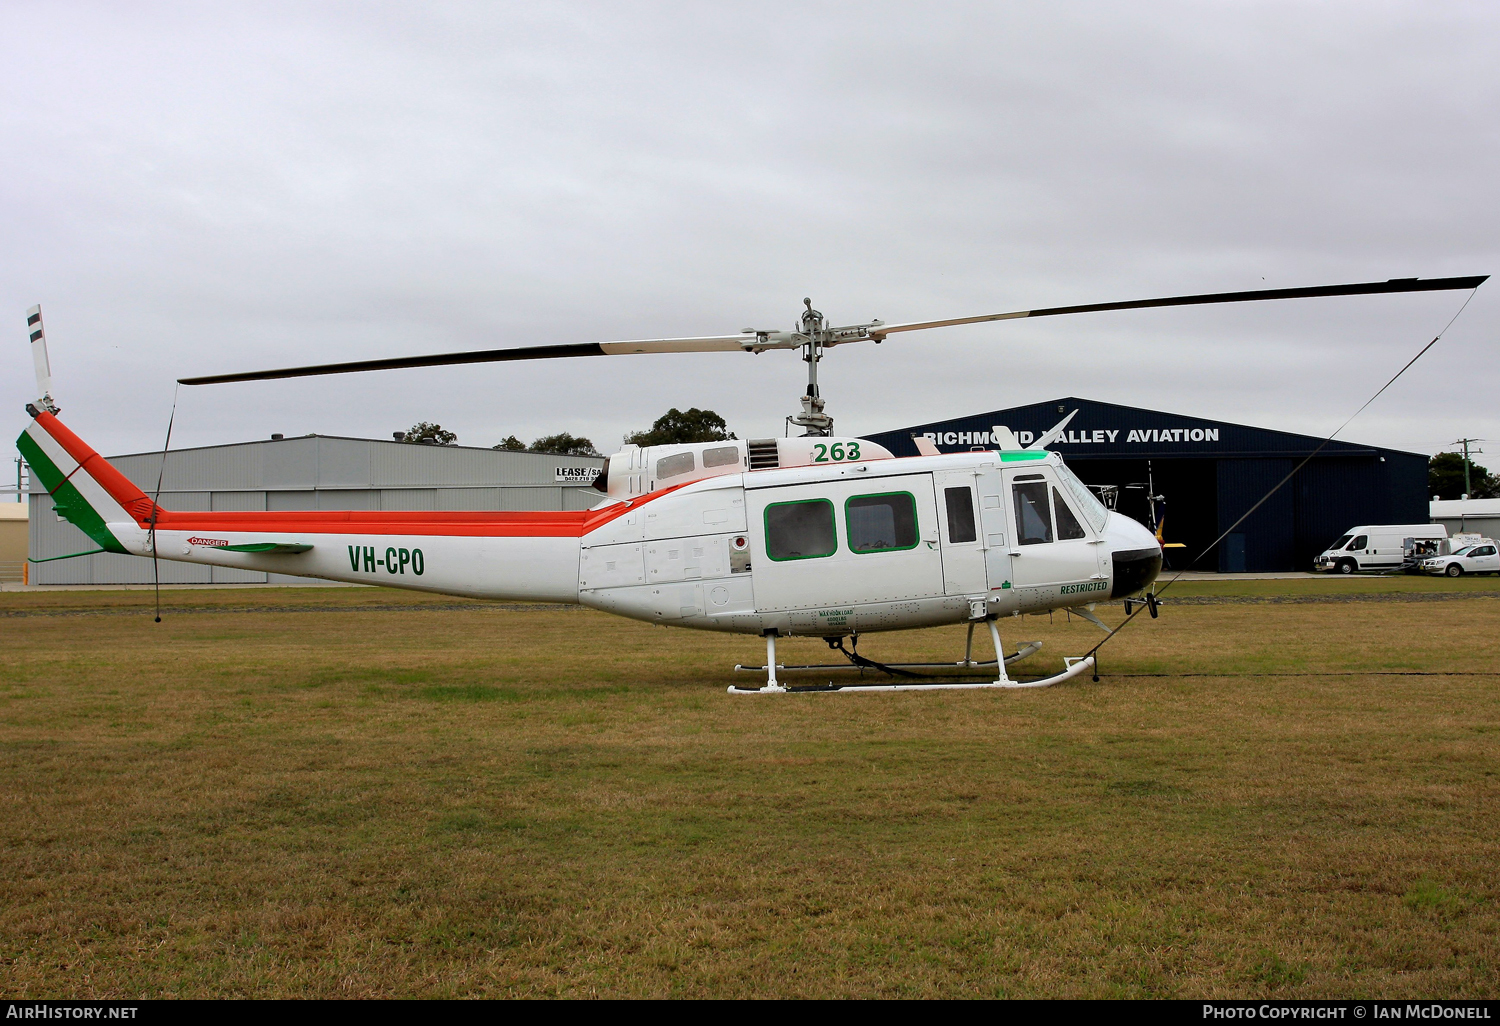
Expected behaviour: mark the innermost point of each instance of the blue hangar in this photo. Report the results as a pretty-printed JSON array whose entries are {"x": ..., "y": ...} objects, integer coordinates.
[{"x": 1207, "y": 474}]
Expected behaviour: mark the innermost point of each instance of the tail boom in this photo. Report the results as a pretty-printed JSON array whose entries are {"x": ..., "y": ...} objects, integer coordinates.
[{"x": 520, "y": 555}]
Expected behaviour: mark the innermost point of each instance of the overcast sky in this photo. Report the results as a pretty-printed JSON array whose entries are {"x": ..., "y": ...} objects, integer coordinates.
[{"x": 217, "y": 187}]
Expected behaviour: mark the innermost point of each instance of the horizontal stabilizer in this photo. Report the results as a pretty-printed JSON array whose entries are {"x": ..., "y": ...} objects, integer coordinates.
[{"x": 267, "y": 548}]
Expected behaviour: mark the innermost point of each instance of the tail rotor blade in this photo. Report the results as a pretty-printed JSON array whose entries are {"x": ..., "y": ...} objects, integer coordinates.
[{"x": 38, "y": 334}]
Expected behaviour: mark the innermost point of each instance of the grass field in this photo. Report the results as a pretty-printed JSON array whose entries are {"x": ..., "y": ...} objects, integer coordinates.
[{"x": 354, "y": 792}]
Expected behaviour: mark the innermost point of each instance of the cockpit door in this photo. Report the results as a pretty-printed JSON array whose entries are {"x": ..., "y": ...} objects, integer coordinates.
[{"x": 1054, "y": 553}]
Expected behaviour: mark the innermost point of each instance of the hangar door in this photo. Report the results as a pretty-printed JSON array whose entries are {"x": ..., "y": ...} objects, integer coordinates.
[{"x": 840, "y": 542}]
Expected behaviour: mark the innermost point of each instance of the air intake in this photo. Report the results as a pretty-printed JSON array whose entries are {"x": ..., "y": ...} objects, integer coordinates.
[{"x": 763, "y": 454}]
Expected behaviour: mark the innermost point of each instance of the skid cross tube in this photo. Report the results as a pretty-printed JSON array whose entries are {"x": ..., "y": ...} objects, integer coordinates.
[{"x": 1073, "y": 667}]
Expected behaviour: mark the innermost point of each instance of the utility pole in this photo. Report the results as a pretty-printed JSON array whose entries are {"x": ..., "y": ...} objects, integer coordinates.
[
  {"x": 1465, "y": 442},
  {"x": 19, "y": 465}
]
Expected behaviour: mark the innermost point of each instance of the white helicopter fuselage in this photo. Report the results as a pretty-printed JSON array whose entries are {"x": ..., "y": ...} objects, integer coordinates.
[
  {"x": 836, "y": 537},
  {"x": 886, "y": 544}
]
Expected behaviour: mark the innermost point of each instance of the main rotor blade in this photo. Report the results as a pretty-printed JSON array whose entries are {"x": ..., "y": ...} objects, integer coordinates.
[
  {"x": 755, "y": 343},
  {"x": 1317, "y": 291},
  {"x": 709, "y": 344}
]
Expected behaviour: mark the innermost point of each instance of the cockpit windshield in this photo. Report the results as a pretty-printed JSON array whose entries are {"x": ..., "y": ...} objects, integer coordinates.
[
  {"x": 1463, "y": 551},
  {"x": 1092, "y": 508},
  {"x": 1343, "y": 540}
]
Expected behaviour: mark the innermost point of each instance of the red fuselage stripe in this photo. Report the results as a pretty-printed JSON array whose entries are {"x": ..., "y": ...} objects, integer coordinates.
[
  {"x": 479, "y": 525},
  {"x": 536, "y": 524}
]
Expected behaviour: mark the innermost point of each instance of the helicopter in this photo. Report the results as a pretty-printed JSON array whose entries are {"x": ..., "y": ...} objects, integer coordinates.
[{"x": 816, "y": 535}]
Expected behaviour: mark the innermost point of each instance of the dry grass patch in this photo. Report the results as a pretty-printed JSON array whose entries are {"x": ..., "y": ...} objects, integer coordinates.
[{"x": 351, "y": 799}]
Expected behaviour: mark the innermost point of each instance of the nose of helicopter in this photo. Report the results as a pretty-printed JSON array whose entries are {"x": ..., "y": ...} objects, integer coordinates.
[{"x": 1135, "y": 554}]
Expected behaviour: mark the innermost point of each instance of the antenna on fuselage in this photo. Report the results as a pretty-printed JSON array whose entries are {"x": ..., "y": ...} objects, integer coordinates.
[{"x": 1053, "y": 434}]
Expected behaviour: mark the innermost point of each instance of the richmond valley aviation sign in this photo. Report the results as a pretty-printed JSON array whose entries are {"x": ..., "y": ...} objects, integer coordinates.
[
  {"x": 1098, "y": 436},
  {"x": 1108, "y": 430}
]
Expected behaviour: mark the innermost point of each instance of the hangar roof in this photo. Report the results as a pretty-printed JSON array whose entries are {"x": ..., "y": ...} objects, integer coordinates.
[
  {"x": 331, "y": 461},
  {"x": 1107, "y": 430}
]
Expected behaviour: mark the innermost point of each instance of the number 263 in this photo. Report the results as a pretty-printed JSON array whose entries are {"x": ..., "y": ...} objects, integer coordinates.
[{"x": 836, "y": 453}]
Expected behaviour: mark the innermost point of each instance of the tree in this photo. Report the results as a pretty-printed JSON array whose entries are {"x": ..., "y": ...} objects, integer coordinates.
[
  {"x": 564, "y": 444},
  {"x": 1445, "y": 478},
  {"x": 429, "y": 434},
  {"x": 510, "y": 443},
  {"x": 676, "y": 426}
]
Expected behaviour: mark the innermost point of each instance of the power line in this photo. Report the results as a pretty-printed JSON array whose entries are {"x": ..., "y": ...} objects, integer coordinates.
[
  {"x": 1280, "y": 484},
  {"x": 1468, "y": 489}
]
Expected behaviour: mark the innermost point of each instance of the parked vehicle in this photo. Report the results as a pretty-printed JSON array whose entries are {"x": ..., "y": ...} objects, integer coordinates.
[
  {"x": 1376, "y": 547},
  {"x": 1483, "y": 558},
  {"x": 1415, "y": 551}
]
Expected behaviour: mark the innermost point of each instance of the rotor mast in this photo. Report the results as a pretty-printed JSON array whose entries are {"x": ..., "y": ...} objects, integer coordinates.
[{"x": 812, "y": 417}]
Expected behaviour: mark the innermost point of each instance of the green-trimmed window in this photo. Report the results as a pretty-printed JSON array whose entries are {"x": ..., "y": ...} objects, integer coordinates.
[
  {"x": 800, "y": 530},
  {"x": 881, "y": 523}
]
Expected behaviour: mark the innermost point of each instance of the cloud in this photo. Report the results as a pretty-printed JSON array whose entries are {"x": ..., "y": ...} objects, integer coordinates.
[{"x": 192, "y": 189}]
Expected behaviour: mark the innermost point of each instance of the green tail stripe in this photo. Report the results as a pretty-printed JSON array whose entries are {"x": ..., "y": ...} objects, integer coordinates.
[
  {"x": 276, "y": 547},
  {"x": 66, "y": 499},
  {"x": 40, "y": 464}
]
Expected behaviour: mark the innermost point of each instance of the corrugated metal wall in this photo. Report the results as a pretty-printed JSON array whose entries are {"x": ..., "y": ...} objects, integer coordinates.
[
  {"x": 1326, "y": 497},
  {"x": 1265, "y": 540},
  {"x": 312, "y": 472},
  {"x": 1332, "y": 496}
]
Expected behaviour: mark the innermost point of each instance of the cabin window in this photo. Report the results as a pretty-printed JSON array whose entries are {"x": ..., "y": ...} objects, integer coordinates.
[
  {"x": 1068, "y": 527},
  {"x": 960, "y": 503},
  {"x": 881, "y": 523},
  {"x": 800, "y": 530},
  {"x": 1359, "y": 543},
  {"x": 1033, "y": 518},
  {"x": 723, "y": 456},
  {"x": 673, "y": 466}
]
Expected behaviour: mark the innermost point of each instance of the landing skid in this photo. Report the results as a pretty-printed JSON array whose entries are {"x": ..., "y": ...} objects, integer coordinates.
[
  {"x": 952, "y": 679},
  {"x": 1075, "y": 666},
  {"x": 1030, "y": 648}
]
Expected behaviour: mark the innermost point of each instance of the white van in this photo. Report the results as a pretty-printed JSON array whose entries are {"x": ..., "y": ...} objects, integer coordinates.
[{"x": 1375, "y": 547}]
